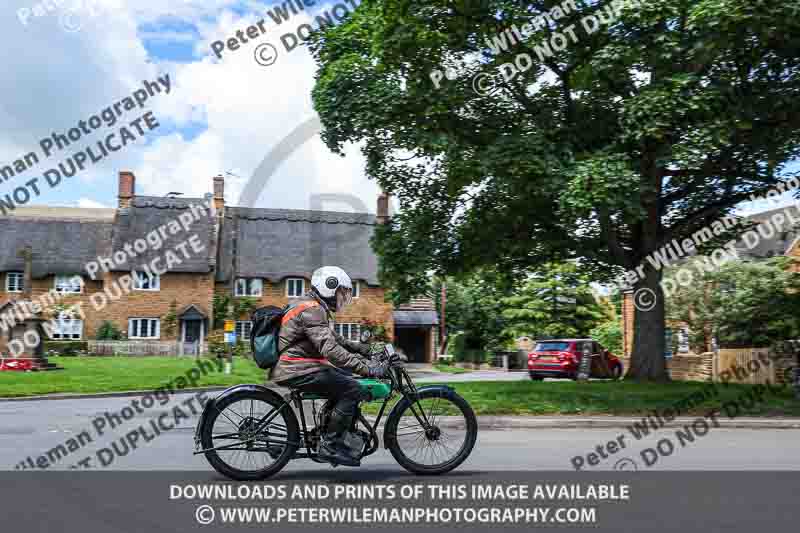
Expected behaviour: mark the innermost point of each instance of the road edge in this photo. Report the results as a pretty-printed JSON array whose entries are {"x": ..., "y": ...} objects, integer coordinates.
[{"x": 488, "y": 422}]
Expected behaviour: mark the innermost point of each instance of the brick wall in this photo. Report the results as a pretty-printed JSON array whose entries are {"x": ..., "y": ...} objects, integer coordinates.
[
  {"x": 627, "y": 323},
  {"x": 370, "y": 305},
  {"x": 183, "y": 289},
  {"x": 40, "y": 287}
]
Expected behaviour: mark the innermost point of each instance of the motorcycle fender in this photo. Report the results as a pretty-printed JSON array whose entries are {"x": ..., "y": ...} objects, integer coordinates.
[
  {"x": 212, "y": 403},
  {"x": 443, "y": 389}
]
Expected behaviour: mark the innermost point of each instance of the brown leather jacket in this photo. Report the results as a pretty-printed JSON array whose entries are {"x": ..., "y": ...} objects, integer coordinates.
[{"x": 308, "y": 329}]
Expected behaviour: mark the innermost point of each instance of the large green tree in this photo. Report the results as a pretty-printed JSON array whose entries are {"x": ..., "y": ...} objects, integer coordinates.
[{"x": 642, "y": 131}]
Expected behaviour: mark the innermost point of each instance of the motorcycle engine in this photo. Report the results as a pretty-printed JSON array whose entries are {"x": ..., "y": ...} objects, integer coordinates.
[{"x": 356, "y": 441}]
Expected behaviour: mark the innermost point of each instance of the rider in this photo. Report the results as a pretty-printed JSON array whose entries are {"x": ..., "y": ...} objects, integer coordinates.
[{"x": 317, "y": 360}]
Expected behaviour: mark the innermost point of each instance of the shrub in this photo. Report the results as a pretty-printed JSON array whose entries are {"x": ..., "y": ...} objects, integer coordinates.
[
  {"x": 108, "y": 331},
  {"x": 609, "y": 334},
  {"x": 216, "y": 343},
  {"x": 66, "y": 348}
]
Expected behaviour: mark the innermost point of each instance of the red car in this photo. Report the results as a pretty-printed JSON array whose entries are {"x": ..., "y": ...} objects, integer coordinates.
[{"x": 560, "y": 358}]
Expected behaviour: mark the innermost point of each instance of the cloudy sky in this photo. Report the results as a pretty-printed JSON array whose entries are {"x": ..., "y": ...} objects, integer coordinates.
[
  {"x": 222, "y": 115},
  {"x": 64, "y": 64}
]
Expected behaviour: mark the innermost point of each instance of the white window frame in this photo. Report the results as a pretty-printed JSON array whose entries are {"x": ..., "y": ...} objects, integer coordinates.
[
  {"x": 20, "y": 281},
  {"x": 249, "y": 284},
  {"x": 150, "y": 321},
  {"x": 63, "y": 284},
  {"x": 66, "y": 321},
  {"x": 243, "y": 329},
  {"x": 356, "y": 290},
  {"x": 352, "y": 330},
  {"x": 292, "y": 281},
  {"x": 153, "y": 279}
]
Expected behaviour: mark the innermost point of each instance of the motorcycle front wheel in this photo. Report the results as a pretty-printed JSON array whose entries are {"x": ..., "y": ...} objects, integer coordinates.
[{"x": 432, "y": 434}]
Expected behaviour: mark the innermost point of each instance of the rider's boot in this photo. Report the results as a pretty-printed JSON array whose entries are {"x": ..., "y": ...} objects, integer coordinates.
[{"x": 332, "y": 448}]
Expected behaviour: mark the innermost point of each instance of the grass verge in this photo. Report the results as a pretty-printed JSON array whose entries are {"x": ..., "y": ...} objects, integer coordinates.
[
  {"x": 620, "y": 398},
  {"x": 114, "y": 374},
  {"x": 449, "y": 369},
  {"x": 83, "y": 375}
]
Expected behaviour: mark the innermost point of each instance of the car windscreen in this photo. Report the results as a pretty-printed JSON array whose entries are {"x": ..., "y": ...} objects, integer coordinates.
[{"x": 552, "y": 347}]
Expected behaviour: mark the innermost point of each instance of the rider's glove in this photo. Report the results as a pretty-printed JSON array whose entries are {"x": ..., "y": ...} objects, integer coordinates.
[{"x": 376, "y": 369}]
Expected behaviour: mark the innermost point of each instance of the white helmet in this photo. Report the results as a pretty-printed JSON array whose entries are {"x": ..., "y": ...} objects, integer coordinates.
[{"x": 334, "y": 286}]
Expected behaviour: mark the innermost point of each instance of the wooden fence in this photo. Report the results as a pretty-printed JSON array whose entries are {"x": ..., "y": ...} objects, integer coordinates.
[
  {"x": 745, "y": 365},
  {"x": 146, "y": 348},
  {"x": 742, "y": 365}
]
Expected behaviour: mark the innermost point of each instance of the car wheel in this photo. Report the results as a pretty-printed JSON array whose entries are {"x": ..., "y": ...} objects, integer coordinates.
[
  {"x": 536, "y": 377},
  {"x": 616, "y": 372}
]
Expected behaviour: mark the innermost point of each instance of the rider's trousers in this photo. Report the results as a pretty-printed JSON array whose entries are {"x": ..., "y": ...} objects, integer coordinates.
[{"x": 341, "y": 388}]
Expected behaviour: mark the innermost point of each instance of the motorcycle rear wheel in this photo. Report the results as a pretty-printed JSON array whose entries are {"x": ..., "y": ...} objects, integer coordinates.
[{"x": 232, "y": 422}]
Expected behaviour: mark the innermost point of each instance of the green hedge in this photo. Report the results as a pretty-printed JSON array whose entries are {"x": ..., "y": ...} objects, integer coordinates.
[{"x": 66, "y": 348}]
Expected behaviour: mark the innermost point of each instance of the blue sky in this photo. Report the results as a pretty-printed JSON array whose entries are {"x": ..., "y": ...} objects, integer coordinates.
[{"x": 222, "y": 116}]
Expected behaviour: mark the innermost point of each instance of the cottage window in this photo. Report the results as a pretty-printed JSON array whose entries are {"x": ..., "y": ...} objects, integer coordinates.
[
  {"x": 243, "y": 329},
  {"x": 350, "y": 332},
  {"x": 356, "y": 289},
  {"x": 68, "y": 284},
  {"x": 144, "y": 328},
  {"x": 65, "y": 327},
  {"x": 142, "y": 281},
  {"x": 295, "y": 287},
  {"x": 15, "y": 282},
  {"x": 249, "y": 287}
]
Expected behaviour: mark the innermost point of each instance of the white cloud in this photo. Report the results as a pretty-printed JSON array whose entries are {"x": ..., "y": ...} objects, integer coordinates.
[
  {"x": 65, "y": 77},
  {"x": 88, "y": 203}
]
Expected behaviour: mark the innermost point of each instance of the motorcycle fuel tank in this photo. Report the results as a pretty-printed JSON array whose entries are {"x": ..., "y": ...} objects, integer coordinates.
[{"x": 377, "y": 389}]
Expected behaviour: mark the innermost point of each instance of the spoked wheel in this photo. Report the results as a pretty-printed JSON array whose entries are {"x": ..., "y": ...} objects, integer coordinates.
[
  {"x": 253, "y": 435},
  {"x": 423, "y": 441}
]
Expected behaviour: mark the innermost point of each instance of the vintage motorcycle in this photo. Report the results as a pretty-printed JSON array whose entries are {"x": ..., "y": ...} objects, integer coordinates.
[{"x": 250, "y": 432}]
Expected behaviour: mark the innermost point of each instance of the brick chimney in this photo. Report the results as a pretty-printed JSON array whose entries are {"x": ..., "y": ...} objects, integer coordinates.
[
  {"x": 383, "y": 208},
  {"x": 219, "y": 192},
  {"x": 127, "y": 188}
]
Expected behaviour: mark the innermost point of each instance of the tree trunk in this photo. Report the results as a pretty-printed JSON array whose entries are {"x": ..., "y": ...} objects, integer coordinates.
[{"x": 647, "y": 357}]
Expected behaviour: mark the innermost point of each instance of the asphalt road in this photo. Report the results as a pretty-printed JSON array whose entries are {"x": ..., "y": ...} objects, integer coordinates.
[{"x": 33, "y": 428}]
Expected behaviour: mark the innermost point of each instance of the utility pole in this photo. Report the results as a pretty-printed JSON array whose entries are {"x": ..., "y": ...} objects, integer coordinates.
[{"x": 443, "y": 320}]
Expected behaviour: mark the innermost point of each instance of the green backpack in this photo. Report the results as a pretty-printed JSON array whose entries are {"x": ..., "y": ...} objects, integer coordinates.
[
  {"x": 264, "y": 335},
  {"x": 266, "y": 331}
]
